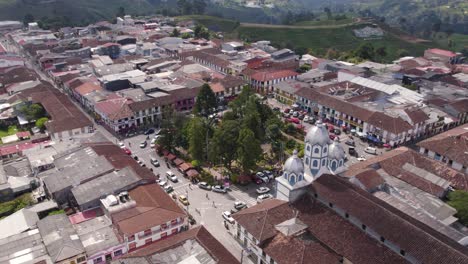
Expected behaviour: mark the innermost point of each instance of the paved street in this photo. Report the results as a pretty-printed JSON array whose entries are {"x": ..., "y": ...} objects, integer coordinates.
[{"x": 206, "y": 211}]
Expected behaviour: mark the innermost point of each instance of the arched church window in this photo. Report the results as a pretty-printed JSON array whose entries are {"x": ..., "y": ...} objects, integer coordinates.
[
  {"x": 316, "y": 150},
  {"x": 308, "y": 148},
  {"x": 315, "y": 163},
  {"x": 333, "y": 165},
  {"x": 292, "y": 179},
  {"x": 324, "y": 162},
  {"x": 325, "y": 150},
  {"x": 286, "y": 175},
  {"x": 300, "y": 177}
]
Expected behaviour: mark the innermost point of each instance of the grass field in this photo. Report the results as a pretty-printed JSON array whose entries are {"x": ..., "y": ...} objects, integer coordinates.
[
  {"x": 320, "y": 40},
  {"x": 459, "y": 41},
  {"x": 10, "y": 131},
  {"x": 213, "y": 23},
  {"x": 325, "y": 22}
]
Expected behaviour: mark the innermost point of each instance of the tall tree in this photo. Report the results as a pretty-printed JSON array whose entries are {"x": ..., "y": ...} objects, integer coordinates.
[
  {"x": 224, "y": 143},
  {"x": 28, "y": 18},
  {"x": 249, "y": 150},
  {"x": 175, "y": 33},
  {"x": 197, "y": 137},
  {"x": 199, "y": 7},
  {"x": 120, "y": 12},
  {"x": 205, "y": 101},
  {"x": 365, "y": 51}
]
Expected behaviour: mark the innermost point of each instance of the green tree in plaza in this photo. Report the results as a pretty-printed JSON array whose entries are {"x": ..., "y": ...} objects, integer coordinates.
[
  {"x": 223, "y": 145},
  {"x": 197, "y": 139},
  {"x": 248, "y": 150},
  {"x": 175, "y": 33},
  {"x": 40, "y": 123},
  {"x": 201, "y": 32},
  {"x": 32, "y": 112},
  {"x": 273, "y": 132},
  {"x": 174, "y": 129},
  {"x": 459, "y": 201},
  {"x": 205, "y": 101}
]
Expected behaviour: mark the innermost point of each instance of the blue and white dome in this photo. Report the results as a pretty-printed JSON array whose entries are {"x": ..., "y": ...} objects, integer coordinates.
[
  {"x": 336, "y": 151},
  {"x": 294, "y": 164},
  {"x": 318, "y": 135}
]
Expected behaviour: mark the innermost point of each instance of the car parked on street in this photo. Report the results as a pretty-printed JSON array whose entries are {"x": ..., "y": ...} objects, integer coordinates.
[
  {"x": 219, "y": 189},
  {"x": 168, "y": 188},
  {"x": 371, "y": 150},
  {"x": 260, "y": 175},
  {"x": 127, "y": 151},
  {"x": 153, "y": 143},
  {"x": 171, "y": 176},
  {"x": 295, "y": 114},
  {"x": 239, "y": 205},
  {"x": 294, "y": 120},
  {"x": 149, "y": 131},
  {"x": 269, "y": 174},
  {"x": 352, "y": 151},
  {"x": 143, "y": 144},
  {"x": 264, "y": 197},
  {"x": 227, "y": 216},
  {"x": 362, "y": 158},
  {"x": 155, "y": 162},
  {"x": 350, "y": 142},
  {"x": 121, "y": 145},
  {"x": 262, "y": 190},
  {"x": 183, "y": 199},
  {"x": 337, "y": 131},
  {"x": 141, "y": 163},
  {"x": 204, "y": 185},
  {"x": 161, "y": 183}
]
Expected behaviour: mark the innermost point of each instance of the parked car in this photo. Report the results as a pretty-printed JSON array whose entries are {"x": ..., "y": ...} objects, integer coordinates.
[
  {"x": 306, "y": 119},
  {"x": 149, "y": 131},
  {"x": 183, "y": 199},
  {"x": 269, "y": 174},
  {"x": 121, "y": 145},
  {"x": 227, "y": 216},
  {"x": 337, "y": 131},
  {"x": 157, "y": 132},
  {"x": 153, "y": 143},
  {"x": 301, "y": 117},
  {"x": 155, "y": 162},
  {"x": 127, "y": 151},
  {"x": 219, "y": 189},
  {"x": 260, "y": 175},
  {"x": 295, "y": 114},
  {"x": 156, "y": 137},
  {"x": 371, "y": 150},
  {"x": 171, "y": 176},
  {"x": 168, "y": 188},
  {"x": 240, "y": 205},
  {"x": 264, "y": 197},
  {"x": 287, "y": 110},
  {"x": 350, "y": 142},
  {"x": 311, "y": 120},
  {"x": 204, "y": 185},
  {"x": 161, "y": 183},
  {"x": 143, "y": 144},
  {"x": 352, "y": 151},
  {"x": 141, "y": 163},
  {"x": 262, "y": 190},
  {"x": 332, "y": 136},
  {"x": 361, "y": 158},
  {"x": 294, "y": 120}
]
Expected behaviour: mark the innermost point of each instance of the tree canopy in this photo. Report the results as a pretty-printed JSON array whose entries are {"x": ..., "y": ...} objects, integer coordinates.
[
  {"x": 205, "y": 101},
  {"x": 459, "y": 201},
  {"x": 32, "y": 112},
  {"x": 248, "y": 150}
]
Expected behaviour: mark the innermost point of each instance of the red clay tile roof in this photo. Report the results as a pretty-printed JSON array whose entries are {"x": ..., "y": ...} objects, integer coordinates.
[
  {"x": 460, "y": 105},
  {"x": 178, "y": 161},
  {"x": 418, "y": 240},
  {"x": 442, "y": 52},
  {"x": 120, "y": 160},
  {"x": 323, "y": 224},
  {"x": 392, "y": 162},
  {"x": 370, "y": 179},
  {"x": 452, "y": 144},
  {"x": 115, "y": 109},
  {"x": 394, "y": 125},
  {"x": 87, "y": 88},
  {"x": 416, "y": 115},
  {"x": 185, "y": 166},
  {"x": 154, "y": 207},
  {"x": 273, "y": 75},
  {"x": 65, "y": 116},
  {"x": 192, "y": 173},
  {"x": 216, "y": 250}
]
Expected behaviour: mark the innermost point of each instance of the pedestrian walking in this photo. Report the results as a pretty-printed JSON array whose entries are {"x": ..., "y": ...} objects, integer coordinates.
[
  {"x": 130, "y": 144},
  {"x": 207, "y": 196},
  {"x": 214, "y": 205}
]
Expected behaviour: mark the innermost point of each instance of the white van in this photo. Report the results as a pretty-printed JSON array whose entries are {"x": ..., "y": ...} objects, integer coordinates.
[{"x": 370, "y": 150}]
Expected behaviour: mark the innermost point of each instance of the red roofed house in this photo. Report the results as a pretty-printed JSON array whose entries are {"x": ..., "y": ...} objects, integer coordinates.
[
  {"x": 263, "y": 81},
  {"x": 116, "y": 114},
  {"x": 440, "y": 55},
  {"x": 149, "y": 216}
]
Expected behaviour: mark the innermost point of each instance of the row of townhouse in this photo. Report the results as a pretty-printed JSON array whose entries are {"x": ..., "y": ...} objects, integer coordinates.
[
  {"x": 263, "y": 81},
  {"x": 377, "y": 125}
]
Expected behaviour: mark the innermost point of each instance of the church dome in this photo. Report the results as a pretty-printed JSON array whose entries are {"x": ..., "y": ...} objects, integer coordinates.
[
  {"x": 336, "y": 151},
  {"x": 294, "y": 165},
  {"x": 317, "y": 135}
]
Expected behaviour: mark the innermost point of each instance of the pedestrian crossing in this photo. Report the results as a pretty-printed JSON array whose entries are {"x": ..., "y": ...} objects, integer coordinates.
[{"x": 240, "y": 195}]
